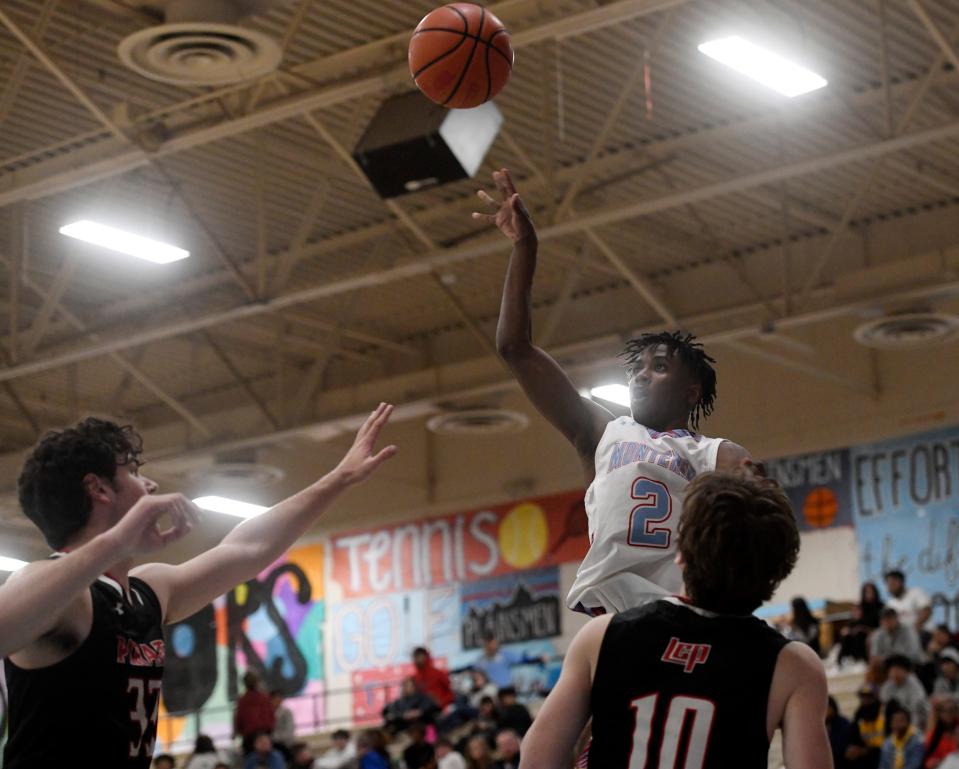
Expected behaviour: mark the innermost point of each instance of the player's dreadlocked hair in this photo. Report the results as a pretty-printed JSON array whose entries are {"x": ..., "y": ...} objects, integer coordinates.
[{"x": 690, "y": 353}]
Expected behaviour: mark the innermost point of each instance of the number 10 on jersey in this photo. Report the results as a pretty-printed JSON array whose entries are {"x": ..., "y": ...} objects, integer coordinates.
[{"x": 653, "y": 505}]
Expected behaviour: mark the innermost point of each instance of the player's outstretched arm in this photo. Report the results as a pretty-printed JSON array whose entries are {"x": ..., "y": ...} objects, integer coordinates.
[
  {"x": 550, "y": 740},
  {"x": 805, "y": 741},
  {"x": 542, "y": 379},
  {"x": 256, "y": 543},
  {"x": 35, "y": 599}
]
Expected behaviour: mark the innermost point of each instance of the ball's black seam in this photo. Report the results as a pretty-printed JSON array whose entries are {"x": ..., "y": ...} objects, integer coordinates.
[{"x": 469, "y": 59}]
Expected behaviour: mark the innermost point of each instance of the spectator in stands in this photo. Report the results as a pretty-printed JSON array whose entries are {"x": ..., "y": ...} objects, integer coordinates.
[
  {"x": 868, "y": 732},
  {"x": 411, "y": 706},
  {"x": 430, "y": 680},
  {"x": 840, "y": 733},
  {"x": 513, "y": 715},
  {"x": 371, "y": 750},
  {"x": 802, "y": 625},
  {"x": 865, "y": 620},
  {"x": 487, "y": 721},
  {"x": 903, "y": 687},
  {"x": 446, "y": 757},
  {"x": 303, "y": 757},
  {"x": 254, "y": 712},
  {"x": 340, "y": 754},
  {"x": 941, "y": 737},
  {"x": 507, "y": 746},
  {"x": 903, "y": 747},
  {"x": 482, "y": 687},
  {"x": 284, "y": 730},
  {"x": 940, "y": 640},
  {"x": 894, "y": 637},
  {"x": 205, "y": 755},
  {"x": 164, "y": 761},
  {"x": 913, "y": 605},
  {"x": 264, "y": 754},
  {"x": 947, "y": 682},
  {"x": 478, "y": 754},
  {"x": 498, "y": 663},
  {"x": 419, "y": 754}
]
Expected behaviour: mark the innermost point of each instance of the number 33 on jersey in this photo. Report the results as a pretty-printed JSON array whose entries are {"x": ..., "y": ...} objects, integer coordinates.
[{"x": 634, "y": 504}]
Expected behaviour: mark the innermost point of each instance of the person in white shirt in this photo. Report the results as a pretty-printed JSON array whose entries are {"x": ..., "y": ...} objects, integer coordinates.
[
  {"x": 340, "y": 755},
  {"x": 913, "y": 606},
  {"x": 446, "y": 757}
]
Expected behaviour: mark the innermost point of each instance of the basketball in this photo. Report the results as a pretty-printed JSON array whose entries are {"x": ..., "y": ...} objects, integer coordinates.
[
  {"x": 820, "y": 507},
  {"x": 460, "y": 55}
]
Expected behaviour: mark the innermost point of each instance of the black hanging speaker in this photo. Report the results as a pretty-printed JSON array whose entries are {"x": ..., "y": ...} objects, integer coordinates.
[{"x": 412, "y": 143}]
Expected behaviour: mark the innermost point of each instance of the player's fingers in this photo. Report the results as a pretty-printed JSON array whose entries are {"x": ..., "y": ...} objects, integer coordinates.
[
  {"x": 508, "y": 187},
  {"x": 383, "y": 455},
  {"x": 501, "y": 180},
  {"x": 367, "y": 426},
  {"x": 488, "y": 218},
  {"x": 485, "y": 197},
  {"x": 381, "y": 418}
]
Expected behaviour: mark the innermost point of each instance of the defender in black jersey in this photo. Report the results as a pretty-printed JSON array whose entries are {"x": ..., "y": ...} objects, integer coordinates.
[
  {"x": 81, "y": 632},
  {"x": 696, "y": 683}
]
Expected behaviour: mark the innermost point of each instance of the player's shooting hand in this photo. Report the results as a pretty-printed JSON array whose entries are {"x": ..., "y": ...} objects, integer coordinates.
[
  {"x": 361, "y": 460},
  {"x": 509, "y": 213},
  {"x": 139, "y": 530}
]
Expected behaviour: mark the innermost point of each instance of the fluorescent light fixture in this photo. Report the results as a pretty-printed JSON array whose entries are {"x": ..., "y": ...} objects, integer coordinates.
[
  {"x": 124, "y": 242},
  {"x": 614, "y": 393},
  {"x": 10, "y": 564},
  {"x": 229, "y": 506},
  {"x": 764, "y": 66}
]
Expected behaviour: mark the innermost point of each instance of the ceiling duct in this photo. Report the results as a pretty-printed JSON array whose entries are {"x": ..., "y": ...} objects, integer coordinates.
[
  {"x": 908, "y": 330},
  {"x": 200, "y": 43},
  {"x": 478, "y": 422}
]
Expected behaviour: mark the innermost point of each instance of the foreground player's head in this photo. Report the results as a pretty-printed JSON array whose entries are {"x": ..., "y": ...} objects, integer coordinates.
[
  {"x": 671, "y": 380},
  {"x": 85, "y": 476},
  {"x": 737, "y": 541}
]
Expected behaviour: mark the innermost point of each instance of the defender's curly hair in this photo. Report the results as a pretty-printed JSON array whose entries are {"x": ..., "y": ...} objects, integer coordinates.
[
  {"x": 739, "y": 540},
  {"x": 50, "y": 486},
  {"x": 691, "y": 353}
]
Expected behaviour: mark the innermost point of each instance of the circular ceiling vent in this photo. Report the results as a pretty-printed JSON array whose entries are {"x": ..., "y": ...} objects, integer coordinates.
[
  {"x": 237, "y": 473},
  {"x": 197, "y": 53},
  {"x": 914, "y": 329},
  {"x": 478, "y": 422}
]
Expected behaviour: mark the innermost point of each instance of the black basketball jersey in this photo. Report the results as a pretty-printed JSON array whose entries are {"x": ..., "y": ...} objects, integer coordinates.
[
  {"x": 679, "y": 688},
  {"x": 100, "y": 703}
]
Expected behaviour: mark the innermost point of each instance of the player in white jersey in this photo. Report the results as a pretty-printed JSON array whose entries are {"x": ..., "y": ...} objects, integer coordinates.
[{"x": 637, "y": 468}]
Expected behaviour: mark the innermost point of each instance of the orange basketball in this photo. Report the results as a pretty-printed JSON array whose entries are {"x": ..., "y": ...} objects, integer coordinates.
[
  {"x": 460, "y": 55},
  {"x": 820, "y": 507}
]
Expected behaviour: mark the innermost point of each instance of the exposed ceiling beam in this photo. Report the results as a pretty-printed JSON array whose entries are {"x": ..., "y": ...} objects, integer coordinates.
[
  {"x": 948, "y": 50},
  {"x": 433, "y": 261}
]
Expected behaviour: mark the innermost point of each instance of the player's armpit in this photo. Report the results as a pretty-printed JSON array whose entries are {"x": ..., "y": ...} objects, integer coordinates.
[
  {"x": 805, "y": 740},
  {"x": 550, "y": 740}
]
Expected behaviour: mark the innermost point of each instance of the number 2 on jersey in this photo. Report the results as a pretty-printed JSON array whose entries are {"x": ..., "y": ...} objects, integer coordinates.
[
  {"x": 653, "y": 505},
  {"x": 680, "y": 708}
]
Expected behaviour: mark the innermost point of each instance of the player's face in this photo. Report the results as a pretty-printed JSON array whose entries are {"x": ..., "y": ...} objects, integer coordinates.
[
  {"x": 661, "y": 390},
  {"x": 130, "y": 485}
]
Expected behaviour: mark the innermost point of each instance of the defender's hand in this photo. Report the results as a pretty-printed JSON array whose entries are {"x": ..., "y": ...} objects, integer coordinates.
[
  {"x": 138, "y": 532},
  {"x": 360, "y": 462},
  {"x": 510, "y": 215}
]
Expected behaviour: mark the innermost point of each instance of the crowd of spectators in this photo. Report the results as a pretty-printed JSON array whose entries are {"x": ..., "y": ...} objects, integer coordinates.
[{"x": 908, "y": 706}]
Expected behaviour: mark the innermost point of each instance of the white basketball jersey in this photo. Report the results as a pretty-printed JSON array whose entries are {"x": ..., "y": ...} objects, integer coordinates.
[{"x": 633, "y": 507}]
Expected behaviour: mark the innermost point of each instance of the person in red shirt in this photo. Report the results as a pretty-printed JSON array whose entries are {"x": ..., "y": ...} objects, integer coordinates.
[
  {"x": 430, "y": 679},
  {"x": 254, "y": 712}
]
